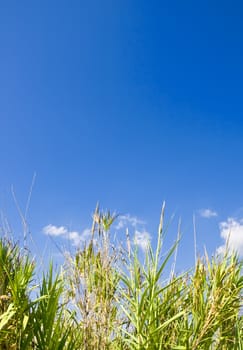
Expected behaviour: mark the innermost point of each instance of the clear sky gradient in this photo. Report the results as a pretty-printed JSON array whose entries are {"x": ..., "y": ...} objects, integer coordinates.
[{"x": 128, "y": 103}]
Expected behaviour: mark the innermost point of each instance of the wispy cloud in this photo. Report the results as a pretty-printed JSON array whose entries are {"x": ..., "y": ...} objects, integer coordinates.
[
  {"x": 142, "y": 239},
  {"x": 232, "y": 233},
  {"x": 53, "y": 230},
  {"x": 128, "y": 220},
  {"x": 75, "y": 237},
  {"x": 207, "y": 213}
]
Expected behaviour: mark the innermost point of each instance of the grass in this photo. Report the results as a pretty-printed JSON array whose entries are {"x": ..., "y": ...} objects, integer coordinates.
[{"x": 107, "y": 297}]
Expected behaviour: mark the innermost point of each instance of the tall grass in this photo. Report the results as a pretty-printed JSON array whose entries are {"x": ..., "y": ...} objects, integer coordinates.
[{"x": 108, "y": 297}]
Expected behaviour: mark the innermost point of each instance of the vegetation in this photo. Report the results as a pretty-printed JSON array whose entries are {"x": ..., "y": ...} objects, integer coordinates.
[{"x": 107, "y": 297}]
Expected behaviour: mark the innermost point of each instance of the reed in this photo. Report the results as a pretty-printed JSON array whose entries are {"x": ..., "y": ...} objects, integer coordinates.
[{"x": 106, "y": 296}]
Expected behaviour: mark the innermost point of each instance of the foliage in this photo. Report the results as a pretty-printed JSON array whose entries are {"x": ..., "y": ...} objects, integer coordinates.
[{"x": 108, "y": 297}]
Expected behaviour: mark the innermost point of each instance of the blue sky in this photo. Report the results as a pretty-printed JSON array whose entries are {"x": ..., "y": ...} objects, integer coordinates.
[{"x": 128, "y": 103}]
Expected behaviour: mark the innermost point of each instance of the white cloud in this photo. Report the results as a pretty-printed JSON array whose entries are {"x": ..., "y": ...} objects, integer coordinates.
[
  {"x": 207, "y": 213},
  {"x": 53, "y": 230},
  {"x": 126, "y": 220},
  {"x": 232, "y": 233},
  {"x": 142, "y": 239},
  {"x": 86, "y": 233},
  {"x": 74, "y": 236},
  {"x": 77, "y": 238}
]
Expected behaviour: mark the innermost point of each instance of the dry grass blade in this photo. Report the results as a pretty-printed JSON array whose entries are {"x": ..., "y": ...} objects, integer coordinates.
[{"x": 114, "y": 299}]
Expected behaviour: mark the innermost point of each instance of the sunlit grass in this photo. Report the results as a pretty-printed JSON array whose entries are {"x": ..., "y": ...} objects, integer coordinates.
[{"x": 108, "y": 297}]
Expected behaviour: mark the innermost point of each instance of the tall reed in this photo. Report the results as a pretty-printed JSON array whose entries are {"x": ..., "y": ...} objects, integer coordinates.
[{"x": 110, "y": 297}]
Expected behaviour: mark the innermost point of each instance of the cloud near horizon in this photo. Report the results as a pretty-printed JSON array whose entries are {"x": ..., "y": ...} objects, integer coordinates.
[
  {"x": 207, "y": 213},
  {"x": 53, "y": 230},
  {"x": 75, "y": 237},
  {"x": 232, "y": 233},
  {"x": 142, "y": 239},
  {"x": 128, "y": 220}
]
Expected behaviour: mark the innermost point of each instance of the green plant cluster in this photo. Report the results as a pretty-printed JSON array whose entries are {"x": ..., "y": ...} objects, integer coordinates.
[{"x": 107, "y": 297}]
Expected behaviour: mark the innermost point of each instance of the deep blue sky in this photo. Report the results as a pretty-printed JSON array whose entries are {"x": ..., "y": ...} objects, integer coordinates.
[{"x": 125, "y": 102}]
